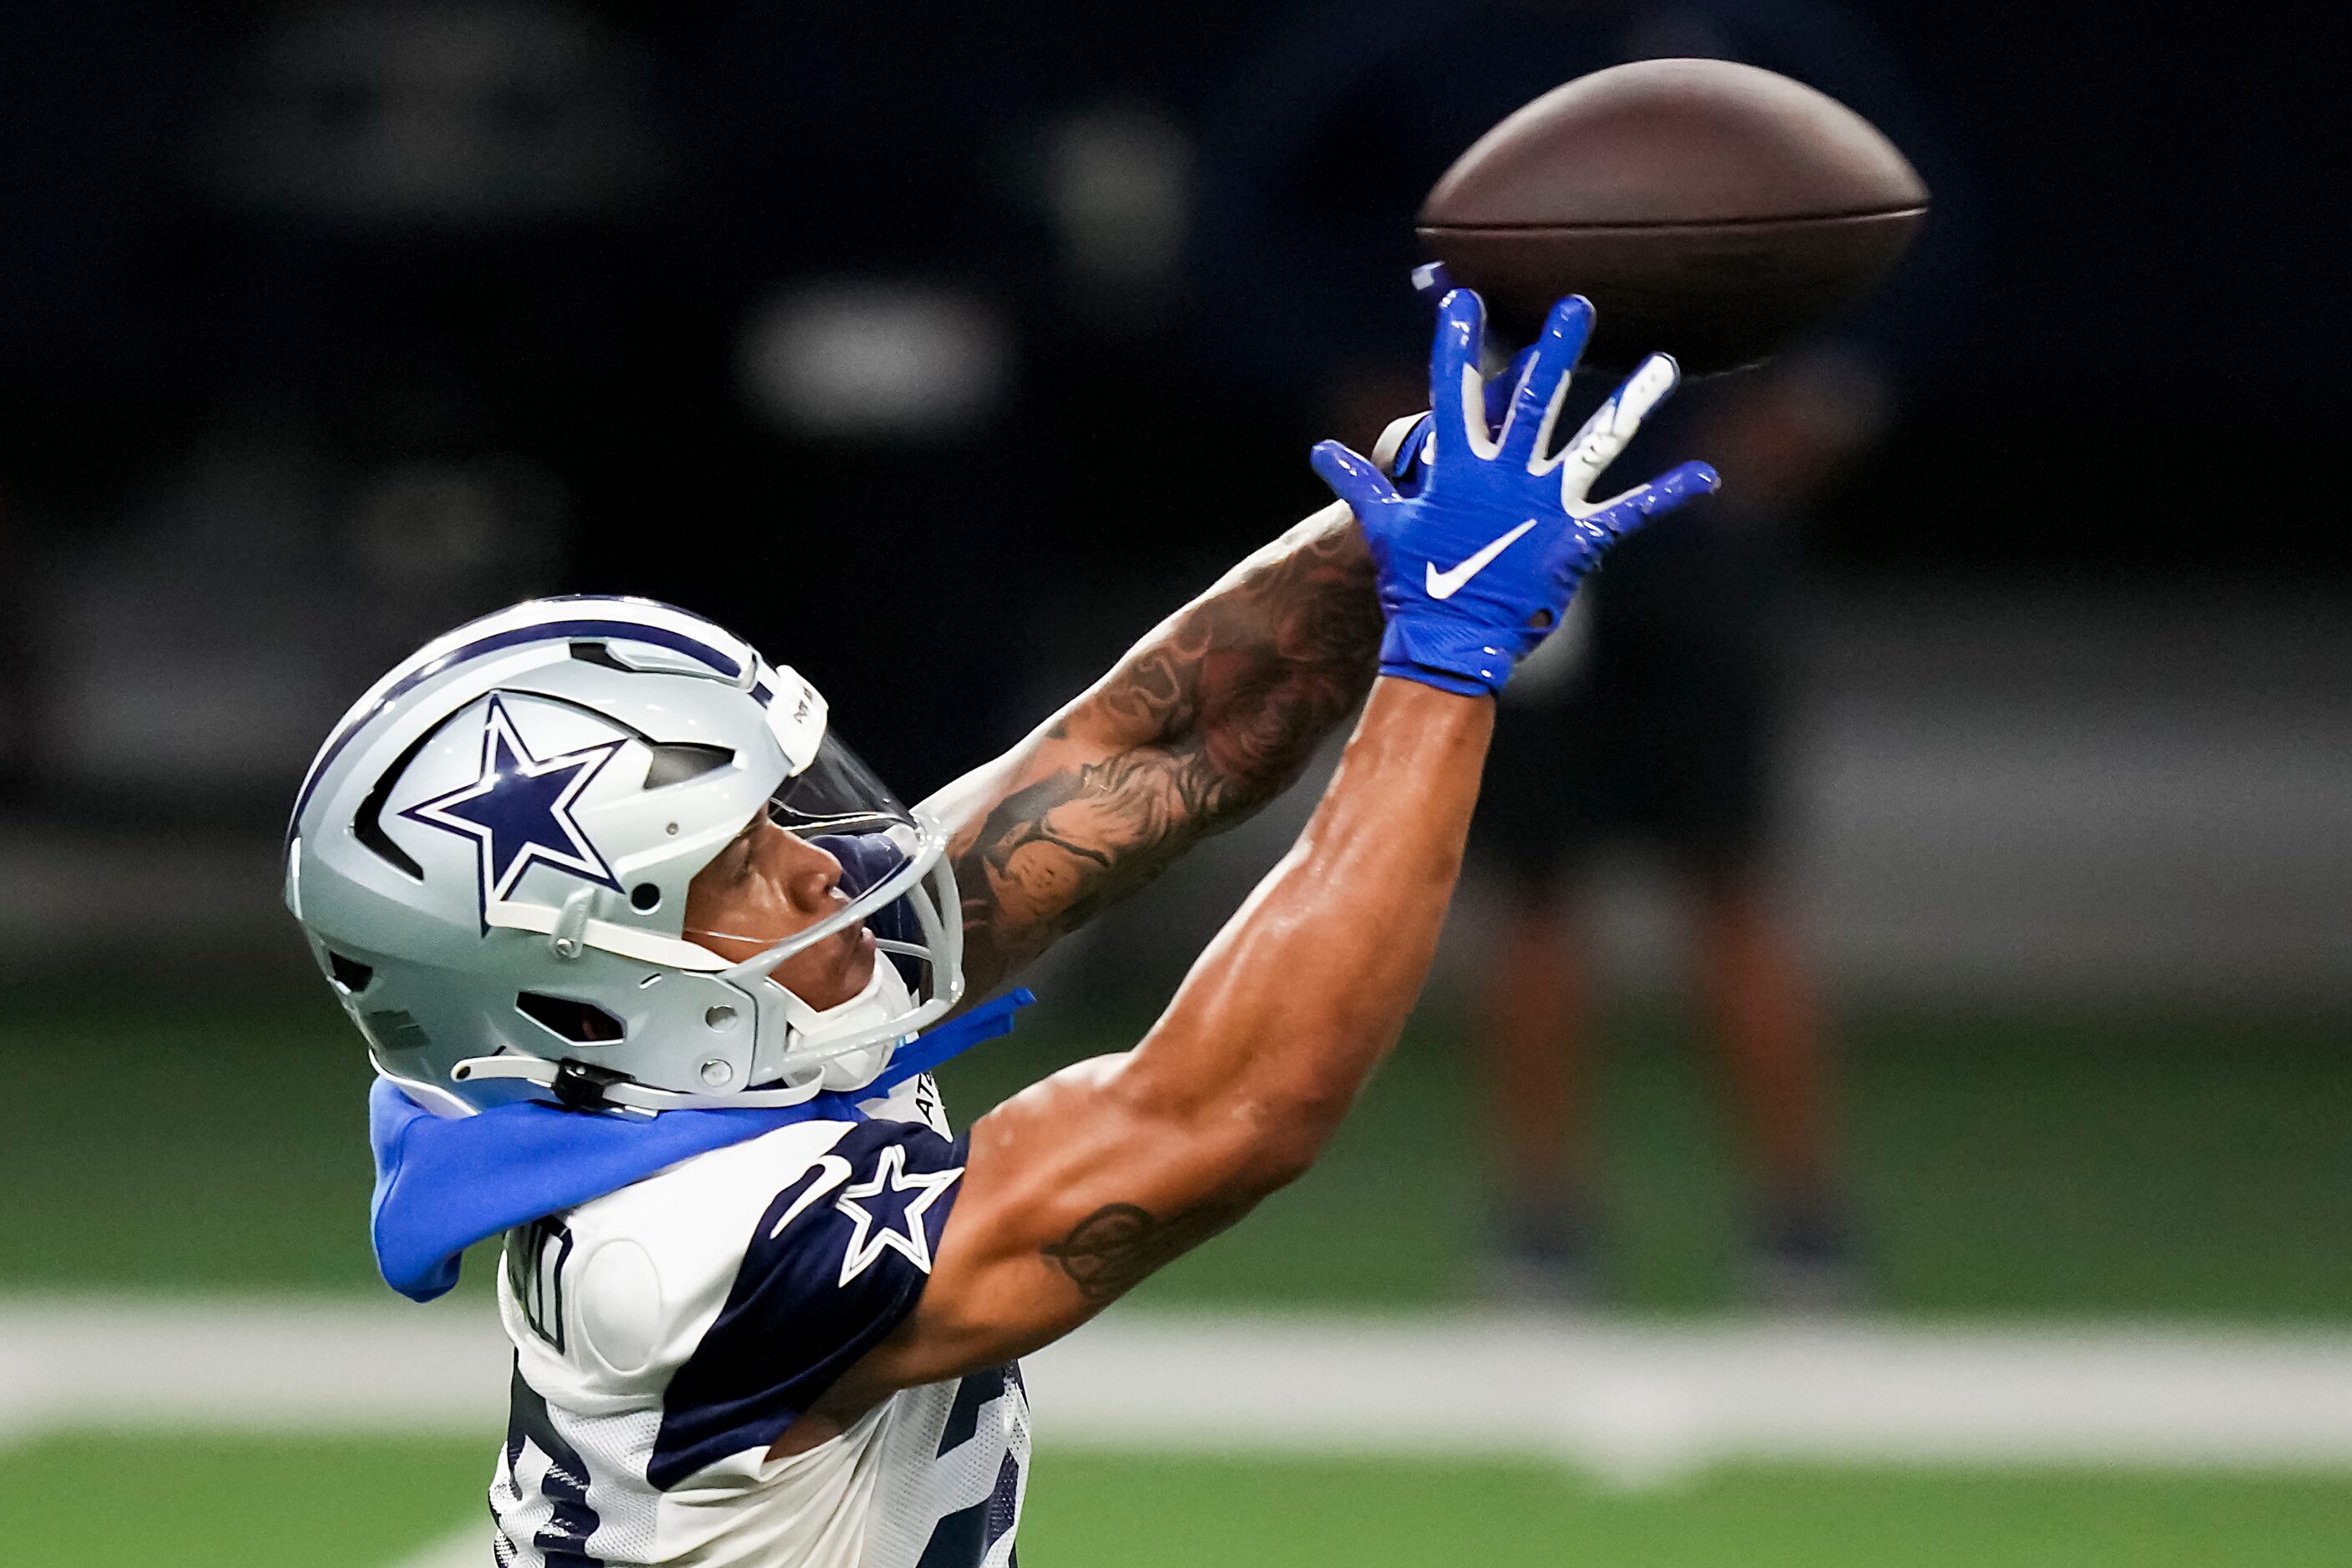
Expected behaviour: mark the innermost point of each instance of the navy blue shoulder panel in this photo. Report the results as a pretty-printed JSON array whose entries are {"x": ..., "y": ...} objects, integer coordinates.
[{"x": 838, "y": 1260}]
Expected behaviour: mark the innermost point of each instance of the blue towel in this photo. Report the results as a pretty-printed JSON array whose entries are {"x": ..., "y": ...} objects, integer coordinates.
[{"x": 444, "y": 1183}]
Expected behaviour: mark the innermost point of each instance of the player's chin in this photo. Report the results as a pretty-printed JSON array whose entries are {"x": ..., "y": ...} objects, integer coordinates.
[
  {"x": 863, "y": 954},
  {"x": 852, "y": 968},
  {"x": 834, "y": 970}
]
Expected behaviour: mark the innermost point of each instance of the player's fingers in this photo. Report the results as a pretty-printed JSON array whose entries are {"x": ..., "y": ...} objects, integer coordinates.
[
  {"x": 1670, "y": 490},
  {"x": 1544, "y": 378},
  {"x": 1456, "y": 392},
  {"x": 1353, "y": 479},
  {"x": 1499, "y": 389},
  {"x": 1432, "y": 281},
  {"x": 1613, "y": 423}
]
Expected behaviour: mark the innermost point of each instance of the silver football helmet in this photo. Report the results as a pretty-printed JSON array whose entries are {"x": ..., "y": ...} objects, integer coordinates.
[{"x": 490, "y": 857}]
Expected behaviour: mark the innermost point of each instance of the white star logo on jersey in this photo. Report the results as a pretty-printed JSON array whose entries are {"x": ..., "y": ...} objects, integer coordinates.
[{"x": 872, "y": 1236}]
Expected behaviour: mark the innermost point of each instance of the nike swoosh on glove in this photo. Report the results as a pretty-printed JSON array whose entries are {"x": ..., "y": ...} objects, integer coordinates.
[{"x": 1480, "y": 562}]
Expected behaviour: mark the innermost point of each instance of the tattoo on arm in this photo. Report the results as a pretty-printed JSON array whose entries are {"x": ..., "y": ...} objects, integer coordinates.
[
  {"x": 1109, "y": 1252},
  {"x": 1226, "y": 703}
]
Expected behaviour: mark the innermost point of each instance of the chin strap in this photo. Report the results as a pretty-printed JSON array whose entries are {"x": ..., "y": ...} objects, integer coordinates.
[
  {"x": 581, "y": 1086},
  {"x": 848, "y": 1043}
]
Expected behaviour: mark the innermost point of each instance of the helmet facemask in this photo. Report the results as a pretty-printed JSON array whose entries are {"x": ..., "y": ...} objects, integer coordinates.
[{"x": 902, "y": 891}]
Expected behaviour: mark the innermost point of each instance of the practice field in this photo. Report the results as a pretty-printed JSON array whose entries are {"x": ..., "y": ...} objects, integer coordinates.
[
  {"x": 75, "y": 1501},
  {"x": 1197, "y": 1514},
  {"x": 2165, "y": 1191},
  {"x": 2003, "y": 1165}
]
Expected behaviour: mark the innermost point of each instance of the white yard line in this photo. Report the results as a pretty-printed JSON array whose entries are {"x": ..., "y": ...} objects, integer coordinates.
[
  {"x": 468, "y": 1547},
  {"x": 247, "y": 1365},
  {"x": 1630, "y": 1401},
  {"x": 1636, "y": 1401}
]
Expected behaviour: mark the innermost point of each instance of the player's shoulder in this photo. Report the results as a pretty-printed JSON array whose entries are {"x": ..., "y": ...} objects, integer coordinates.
[
  {"x": 837, "y": 1260},
  {"x": 695, "y": 1205},
  {"x": 624, "y": 1289},
  {"x": 617, "y": 1289},
  {"x": 700, "y": 1212}
]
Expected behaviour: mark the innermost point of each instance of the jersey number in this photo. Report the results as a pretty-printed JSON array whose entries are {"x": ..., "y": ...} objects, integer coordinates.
[{"x": 536, "y": 1254}]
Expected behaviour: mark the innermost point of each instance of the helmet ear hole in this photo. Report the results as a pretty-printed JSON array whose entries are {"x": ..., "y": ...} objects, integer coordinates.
[
  {"x": 579, "y": 1023},
  {"x": 644, "y": 897},
  {"x": 350, "y": 974}
]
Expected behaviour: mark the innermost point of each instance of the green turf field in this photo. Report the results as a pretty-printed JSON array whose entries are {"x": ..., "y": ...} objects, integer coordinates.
[
  {"x": 2190, "y": 1168},
  {"x": 209, "y": 1502},
  {"x": 1331, "y": 1514},
  {"x": 203, "y": 1500},
  {"x": 2039, "y": 1165}
]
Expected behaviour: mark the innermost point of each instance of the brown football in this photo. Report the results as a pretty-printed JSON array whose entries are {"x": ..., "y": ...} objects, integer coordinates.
[{"x": 1708, "y": 209}]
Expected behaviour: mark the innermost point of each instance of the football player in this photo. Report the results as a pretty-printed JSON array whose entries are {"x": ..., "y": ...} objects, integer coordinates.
[{"x": 651, "y": 970}]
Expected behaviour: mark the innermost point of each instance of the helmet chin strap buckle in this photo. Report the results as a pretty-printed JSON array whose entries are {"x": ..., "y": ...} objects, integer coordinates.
[{"x": 579, "y": 1086}]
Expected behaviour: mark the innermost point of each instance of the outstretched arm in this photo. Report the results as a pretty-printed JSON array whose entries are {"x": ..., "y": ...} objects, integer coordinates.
[
  {"x": 1079, "y": 1186},
  {"x": 1207, "y": 719}
]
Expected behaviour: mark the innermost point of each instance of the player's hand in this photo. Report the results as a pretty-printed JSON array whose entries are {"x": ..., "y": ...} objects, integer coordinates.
[{"x": 1480, "y": 562}]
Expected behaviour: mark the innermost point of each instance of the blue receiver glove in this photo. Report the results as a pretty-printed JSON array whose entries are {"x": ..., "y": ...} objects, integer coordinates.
[
  {"x": 1476, "y": 566},
  {"x": 1402, "y": 462}
]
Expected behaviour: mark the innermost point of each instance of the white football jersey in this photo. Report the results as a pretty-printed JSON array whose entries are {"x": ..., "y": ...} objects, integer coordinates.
[{"x": 667, "y": 1333}]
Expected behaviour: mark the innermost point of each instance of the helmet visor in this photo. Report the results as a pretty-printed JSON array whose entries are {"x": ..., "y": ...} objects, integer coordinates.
[{"x": 836, "y": 793}]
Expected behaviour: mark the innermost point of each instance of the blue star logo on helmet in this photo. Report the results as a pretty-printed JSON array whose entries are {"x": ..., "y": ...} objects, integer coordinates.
[{"x": 520, "y": 810}]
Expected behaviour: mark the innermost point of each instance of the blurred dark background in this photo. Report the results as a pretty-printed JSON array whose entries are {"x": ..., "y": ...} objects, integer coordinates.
[
  {"x": 941, "y": 348},
  {"x": 895, "y": 334}
]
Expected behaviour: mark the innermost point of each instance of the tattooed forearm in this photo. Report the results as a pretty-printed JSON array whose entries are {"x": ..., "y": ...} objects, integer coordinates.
[
  {"x": 1050, "y": 855},
  {"x": 1208, "y": 719},
  {"x": 1108, "y": 1253},
  {"x": 1258, "y": 670}
]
